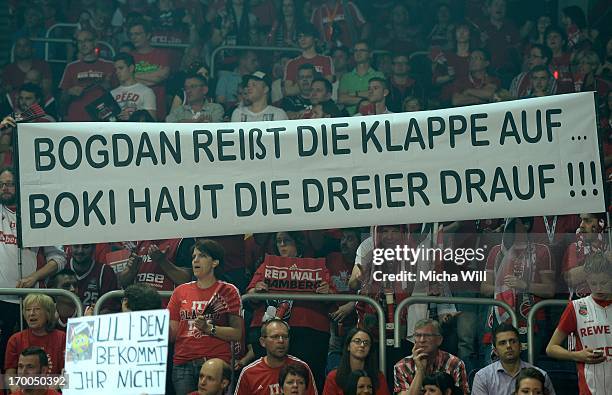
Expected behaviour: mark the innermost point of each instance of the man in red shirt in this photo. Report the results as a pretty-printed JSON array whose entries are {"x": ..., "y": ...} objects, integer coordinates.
[
  {"x": 33, "y": 362},
  {"x": 307, "y": 35},
  {"x": 152, "y": 64},
  {"x": 261, "y": 376},
  {"x": 591, "y": 319},
  {"x": 94, "y": 278},
  {"x": 85, "y": 79},
  {"x": 479, "y": 86}
]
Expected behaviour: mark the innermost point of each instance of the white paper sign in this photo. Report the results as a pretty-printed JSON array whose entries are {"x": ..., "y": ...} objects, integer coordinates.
[
  {"x": 102, "y": 182},
  {"x": 124, "y": 353}
]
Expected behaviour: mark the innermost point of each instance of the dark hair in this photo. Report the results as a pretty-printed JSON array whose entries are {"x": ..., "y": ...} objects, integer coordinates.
[
  {"x": 383, "y": 81},
  {"x": 546, "y": 52},
  {"x": 33, "y": 88},
  {"x": 139, "y": 21},
  {"x": 141, "y": 297},
  {"x": 504, "y": 327},
  {"x": 307, "y": 29},
  {"x": 443, "y": 381},
  {"x": 555, "y": 29},
  {"x": 52, "y": 281},
  {"x": 43, "y": 359},
  {"x": 576, "y": 14},
  {"x": 530, "y": 373},
  {"x": 329, "y": 88},
  {"x": 353, "y": 379},
  {"x": 298, "y": 238},
  {"x": 196, "y": 76},
  {"x": 343, "y": 372},
  {"x": 126, "y": 57},
  {"x": 213, "y": 250},
  {"x": 538, "y": 68},
  {"x": 294, "y": 369},
  {"x": 141, "y": 116},
  {"x": 264, "y": 326},
  {"x": 307, "y": 66},
  {"x": 341, "y": 48}
]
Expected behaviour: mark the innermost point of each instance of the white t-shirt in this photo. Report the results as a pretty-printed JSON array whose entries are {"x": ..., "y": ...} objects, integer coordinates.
[
  {"x": 137, "y": 96},
  {"x": 270, "y": 113}
]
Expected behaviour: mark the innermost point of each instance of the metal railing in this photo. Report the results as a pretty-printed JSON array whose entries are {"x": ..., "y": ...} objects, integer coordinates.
[
  {"x": 119, "y": 294},
  {"x": 48, "y": 36},
  {"x": 213, "y": 56},
  {"x": 440, "y": 300},
  {"x": 530, "y": 323},
  {"x": 46, "y": 291},
  {"x": 334, "y": 298}
]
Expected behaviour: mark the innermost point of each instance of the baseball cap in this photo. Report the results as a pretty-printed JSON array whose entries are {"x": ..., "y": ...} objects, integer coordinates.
[{"x": 258, "y": 76}]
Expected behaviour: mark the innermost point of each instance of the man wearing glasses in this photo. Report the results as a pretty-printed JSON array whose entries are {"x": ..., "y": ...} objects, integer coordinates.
[
  {"x": 426, "y": 359},
  {"x": 196, "y": 108},
  {"x": 261, "y": 376},
  {"x": 353, "y": 87}
]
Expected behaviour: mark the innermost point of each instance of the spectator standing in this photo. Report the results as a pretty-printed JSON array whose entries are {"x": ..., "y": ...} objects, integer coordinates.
[
  {"x": 36, "y": 263},
  {"x": 152, "y": 64},
  {"x": 205, "y": 317},
  {"x": 560, "y": 62},
  {"x": 131, "y": 95},
  {"x": 590, "y": 319},
  {"x": 449, "y": 66},
  {"x": 340, "y": 23},
  {"x": 307, "y": 38}
]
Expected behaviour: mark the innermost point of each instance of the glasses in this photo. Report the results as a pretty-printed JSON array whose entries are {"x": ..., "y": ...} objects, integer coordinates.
[
  {"x": 7, "y": 184},
  {"x": 425, "y": 335},
  {"x": 361, "y": 342},
  {"x": 278, "y": 337}
]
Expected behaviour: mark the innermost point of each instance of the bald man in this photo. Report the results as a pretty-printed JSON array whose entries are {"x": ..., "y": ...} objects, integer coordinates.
[{"x": 215, "y": 377}]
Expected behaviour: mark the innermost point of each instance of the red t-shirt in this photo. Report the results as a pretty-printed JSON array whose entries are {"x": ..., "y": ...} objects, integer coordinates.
[
  {"x": 259, "y": 378},
  {"x": 153, "y": 61},
  {"x": 215, "y": 303},
  {"x": 13, "y": 76},
  {"x": 333, "y": 25},
  {"x": 500, "y": 43},
  {"x": 332, "y": 388},
  {"x": 322, "y": 64},
  {"x": 54, "y": 343},
  {"x": 468, "y": 82},
  {"x": 88, "y": 75}
]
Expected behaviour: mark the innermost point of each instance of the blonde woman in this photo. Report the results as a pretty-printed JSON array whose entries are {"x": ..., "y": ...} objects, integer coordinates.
[{"x": 39, "y": 314}]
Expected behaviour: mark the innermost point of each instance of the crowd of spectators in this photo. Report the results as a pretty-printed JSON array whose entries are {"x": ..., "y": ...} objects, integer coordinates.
[{"x": 348, "y": 58}]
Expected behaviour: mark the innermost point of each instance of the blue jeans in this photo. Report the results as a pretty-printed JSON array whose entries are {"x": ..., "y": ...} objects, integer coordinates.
[{"x": 185, "y": 377}]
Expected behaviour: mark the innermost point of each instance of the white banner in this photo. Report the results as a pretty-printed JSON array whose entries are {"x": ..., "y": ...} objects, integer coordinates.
[
  {"x": 95, "y": 182},
  {"x": 117, "y": 354}
]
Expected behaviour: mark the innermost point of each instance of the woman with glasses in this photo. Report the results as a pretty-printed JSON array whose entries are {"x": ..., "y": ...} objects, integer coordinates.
[{"x": 357, "y": 355}]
